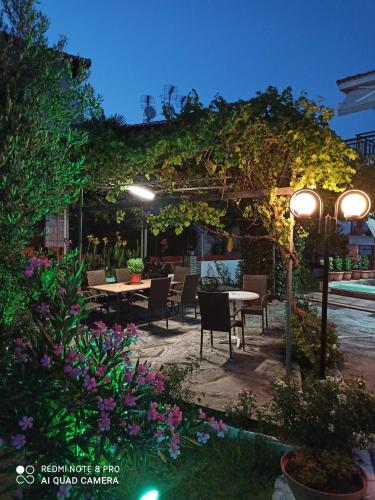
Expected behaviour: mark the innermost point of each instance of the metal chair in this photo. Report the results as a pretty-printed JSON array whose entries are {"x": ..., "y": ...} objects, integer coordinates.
[
  {"x": 157, "y": 299},
  {"x": 215, "y": 316},
  {"x": 187, "y": 295},
  {"x": 256, "y": 283},
  {"x": 122, "y": 275}
]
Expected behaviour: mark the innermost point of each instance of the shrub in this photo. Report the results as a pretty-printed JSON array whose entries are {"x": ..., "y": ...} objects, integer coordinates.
[
  {"x": 331, "y": 264},
  {"x": 135, "y": 266},
  {"x": 306, "y": 329},
  {"x": 76, "y": 395},
  {"x": 365, "y": 263}
]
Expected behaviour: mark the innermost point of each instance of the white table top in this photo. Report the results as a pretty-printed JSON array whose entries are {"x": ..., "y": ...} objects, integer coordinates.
[{"x": 241, "y": 295}]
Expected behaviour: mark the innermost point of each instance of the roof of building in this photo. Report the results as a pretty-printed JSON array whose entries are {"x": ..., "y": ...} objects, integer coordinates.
[{"x": 355, "y": 77}]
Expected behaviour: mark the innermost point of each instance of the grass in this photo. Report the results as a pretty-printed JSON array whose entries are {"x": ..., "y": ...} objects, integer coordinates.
[{"x": 222, "y": 469}]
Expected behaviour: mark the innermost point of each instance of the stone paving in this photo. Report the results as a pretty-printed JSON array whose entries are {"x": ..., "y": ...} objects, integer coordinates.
[{"x": 219, "y": 380}]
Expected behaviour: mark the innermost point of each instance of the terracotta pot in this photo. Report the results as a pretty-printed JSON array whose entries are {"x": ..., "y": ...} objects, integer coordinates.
[
  {"x": 347, "y": 275},
  {"x": 135, "y": 278},
  {"x": 366, "y": 274},
  {"x": 302, "y": 492},
  {"x": 372, "y": 271},
  {"x": 330, "y": 276},
  {"x": 356, "y": 274},
  {"x": 337, "y": 275}
]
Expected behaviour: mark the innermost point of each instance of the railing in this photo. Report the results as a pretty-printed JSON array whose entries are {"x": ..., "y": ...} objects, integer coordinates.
[{"x": 364, "y": 144}]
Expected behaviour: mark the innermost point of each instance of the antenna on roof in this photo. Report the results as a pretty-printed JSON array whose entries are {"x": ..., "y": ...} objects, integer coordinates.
[
  {"x": 168, "y": 101},
  {"x": 147, "y": 104}
]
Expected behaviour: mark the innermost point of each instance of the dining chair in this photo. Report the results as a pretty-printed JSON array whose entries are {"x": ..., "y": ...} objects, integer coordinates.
[
  {"x": 188, "y": 294},
  {"x": 157, "y": 299},
  {"x": 256, "y": 283},
  {"x": 122, "y": 275},
  {"x": 215, "y": 316},
  {"x": 95, "y": 299},
  {"x": 179, "y": 275}
]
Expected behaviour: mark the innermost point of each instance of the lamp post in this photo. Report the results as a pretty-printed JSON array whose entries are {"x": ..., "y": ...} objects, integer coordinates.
[{"x": 350, "y": 205}]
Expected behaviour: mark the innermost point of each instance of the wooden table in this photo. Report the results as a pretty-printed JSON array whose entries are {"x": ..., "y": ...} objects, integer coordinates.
[
  {"x": 238, "y": 297},
  {"x": 119, "y": 288}
]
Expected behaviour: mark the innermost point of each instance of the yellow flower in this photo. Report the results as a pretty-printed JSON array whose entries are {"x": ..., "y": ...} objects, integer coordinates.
[
  {"x": 105, "y": 240},
  {"x": 124, "y": 243},
  {"x": 90, "y": 237},
  {"x": 96, "y": 241}
]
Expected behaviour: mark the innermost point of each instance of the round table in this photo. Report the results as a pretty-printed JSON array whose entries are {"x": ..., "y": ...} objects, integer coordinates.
[{"x": 238, "y": 296}]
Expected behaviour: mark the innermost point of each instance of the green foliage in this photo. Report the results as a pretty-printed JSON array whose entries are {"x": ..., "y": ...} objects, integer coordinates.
[
  {"x": 101, "y": 254},
  {"x": 331, "y": 264},
  {"x": 183, "y": 215},
  {"x": 356, "y": 263},
  {"x": 347, "y": 263},
  {"x": 338, "y": 263},
  {"x": 240, "y": 412},
  {"x": 44, "y": 93},
  {"x": 176, "y": 378},
  {"x": 306, "y": 329},
  {"x": 330, "y": 414},
  {"x": 365, "y": 262},
  {"x": 267, "y": 142},
  {"x": 136, "y": 266}
]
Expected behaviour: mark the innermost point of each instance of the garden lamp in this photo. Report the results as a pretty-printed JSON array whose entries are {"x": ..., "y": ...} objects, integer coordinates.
[
  {"x": 150, "y": 495},
  {"x": 350, "y": 205},
  {"x": 141, "y": 192}
]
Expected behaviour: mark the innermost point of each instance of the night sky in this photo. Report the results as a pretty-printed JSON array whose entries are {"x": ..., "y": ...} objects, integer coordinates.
[{"x": 230, "y": 47}]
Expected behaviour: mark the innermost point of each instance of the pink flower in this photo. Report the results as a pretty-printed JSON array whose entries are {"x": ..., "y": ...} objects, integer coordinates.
[
  {"x": 72, "y": 356},
  {"x": 44, "y": 310},
  {"x": 26, "y": 423},
  {"x": 130, "y": 400},
  {"x": 201, "y": 415},
  {"x": 107, "y": 404},
  {"x": 29, "y": 271},
  {"x": 62, "y": 291},
  {"x": 100, "y": 324},
  {"x": 75, "y": 309},
  {"x": 45, "y": 361},
  {"x": 128, "y": 376},
  {"x": 174, "y": 450},
  {"x": 106, "y": 379},
  {"x": 134, "y": 429},
  {"x": 174, "y": 416},
  {"x": 153, "y": 413},
  {"x": 218, "y": 426},
  {"x": 143, "y": 368},
  {"x": 58, "y": 349},
  {"x": 104, "y": 422},
  {"x": 100, "y": 371},
  {"x": 18, "y": 441},
  {"x": 79, "y": 291},
  {"x": 89, "y": 383},
  {"x": 159, "y": 435},
  {"x": 141, "y": 380},
  {"x": 150, "y": 378}
]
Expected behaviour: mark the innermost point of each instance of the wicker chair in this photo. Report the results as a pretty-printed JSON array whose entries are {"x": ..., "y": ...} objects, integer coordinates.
[
  {"x": 157, "y": 299},
  {"x": 215, "y": 316},
  {"x": 122, "y": 275},
  {"x": 188, "y": 294},
  {"x": 93, "y": 298},
  {"x": 179, "y": 275},
  {"x": 256, "y": 283}
]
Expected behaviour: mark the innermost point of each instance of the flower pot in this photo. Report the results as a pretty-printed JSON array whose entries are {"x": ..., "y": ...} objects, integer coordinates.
[
  {"x": 302, "y": 492},
  {"x": 337, "y": 275},
  {"x": 330, "y": 276},
  {"x": 356, "y": 274},
  {"x": 366, "y": 274},
  {"x": 347, "y": 275},
  {"x": 372, "y": 271},
  {"x": 135, "y": 278}
]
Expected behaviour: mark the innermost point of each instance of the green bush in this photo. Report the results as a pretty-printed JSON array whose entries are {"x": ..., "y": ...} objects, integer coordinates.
[
  {"x": 348, "y": 263},
  {"x": 338, "y": 263},
  {"x": 306, "y": 340},
  {"x": 365, "y": 262}
]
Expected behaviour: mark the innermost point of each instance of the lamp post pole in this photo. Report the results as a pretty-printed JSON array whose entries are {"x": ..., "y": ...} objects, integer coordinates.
[{"x": 323, "y": 331}]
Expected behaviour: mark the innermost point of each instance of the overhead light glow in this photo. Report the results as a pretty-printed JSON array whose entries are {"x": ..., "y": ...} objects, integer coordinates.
[
  {"x": 150, "y": 495},
  {"x": 304, "y": 203},
  {"x": 141, "y": 192},
  {"x": 354, "y": 204}
]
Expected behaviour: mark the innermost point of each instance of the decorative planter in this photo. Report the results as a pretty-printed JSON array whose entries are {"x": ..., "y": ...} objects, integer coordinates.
[
  {"x": 356, "y": 274},
  {"x": 330, "y": 275},
  {"x": 302, "y": 492},
  {"x": 337, "y": 275},
  {"x": 135, "y": 278},
  {"x": 372, "y": 271},
  {"x": 366, "y": 274},
  {"x": 347, "y": 275}
]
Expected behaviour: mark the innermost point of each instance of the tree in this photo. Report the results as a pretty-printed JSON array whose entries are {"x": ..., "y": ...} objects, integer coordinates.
[{"x": 43, "y": 95}]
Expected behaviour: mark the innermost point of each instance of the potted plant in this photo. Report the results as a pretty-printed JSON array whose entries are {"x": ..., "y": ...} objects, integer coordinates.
[
  {"x": 338, "y": 274},
  {"x": 324, "y": 422},
  {"x": 331, "y": 268},
  {"x": 347, "y": 268},
  {"x": 365, "y": 264},
  {"x": 356, "y": 268},
  {"x": 135, "y": 268}
]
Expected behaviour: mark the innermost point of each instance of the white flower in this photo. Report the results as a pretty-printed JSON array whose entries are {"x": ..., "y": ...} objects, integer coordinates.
[{"x": 331, "y": 428}]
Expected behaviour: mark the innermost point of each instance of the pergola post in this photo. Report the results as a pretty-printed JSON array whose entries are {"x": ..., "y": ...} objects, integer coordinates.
[{"x": 289, "y": 299}]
